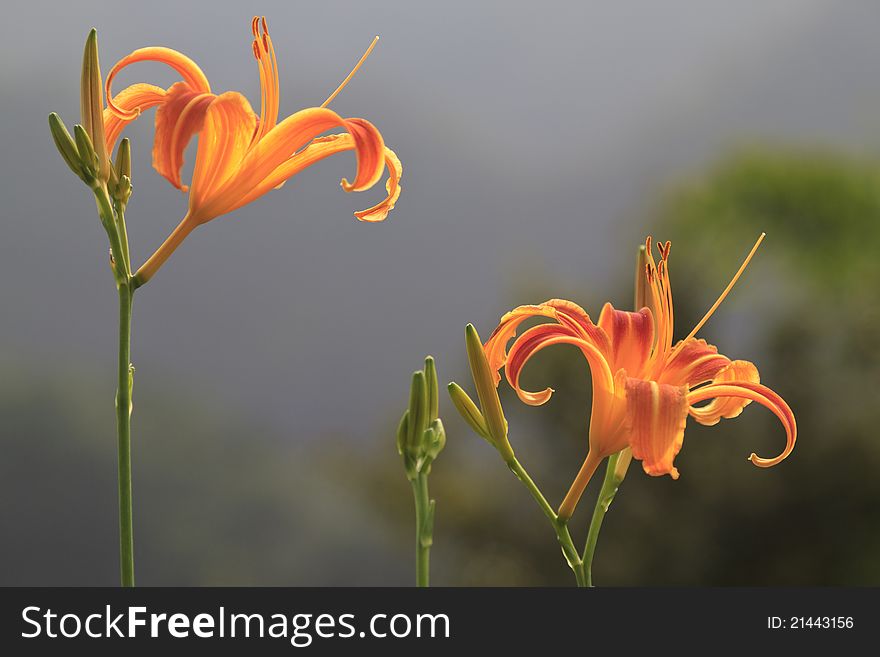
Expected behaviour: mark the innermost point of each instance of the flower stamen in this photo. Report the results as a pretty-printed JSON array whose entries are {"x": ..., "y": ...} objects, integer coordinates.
[
  {"x": 264, "y": 52},
  {"x": 351, "y": 75},
  {"x": 721, "y": 298}
]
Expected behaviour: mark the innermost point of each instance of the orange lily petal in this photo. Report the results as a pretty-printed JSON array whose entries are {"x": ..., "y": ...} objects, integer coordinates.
[
  {"x": 565, "y": 312},
  {"x": 179, "y": 117},
  {"x": 370, "y": 150},
  {"x": 496, "y": 345},
  {"x": 317, "y": 150},
  {"x": 571, "y": 314},
  {"x": 764, "y": 396},
  {"x": 379, "y": 211},
  {"x": 631, "y": 336},
  {"x": 133, "y": 100},
  {"x": 545, "y": 335},
  {"x": 656, "y": 416},
  {"x": 226, "y": 134},
  {"x": 266, "y": 155},
  {"x": 727, "y": 407},
  {"x": 607, "y": 437},
  {"x": 527, "y": 345},
  {"x": 188, "y": 69},
  {"x": 694, "y": 363}
]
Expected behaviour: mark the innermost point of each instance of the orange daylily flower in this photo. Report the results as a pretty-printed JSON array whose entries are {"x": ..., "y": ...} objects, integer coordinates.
[
  {"x": 644, "y": 388},
  {"x": 241, "y": 155}
]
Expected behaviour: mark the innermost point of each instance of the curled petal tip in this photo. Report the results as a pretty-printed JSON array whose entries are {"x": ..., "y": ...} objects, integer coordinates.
[{"x": 765, "y": 463}]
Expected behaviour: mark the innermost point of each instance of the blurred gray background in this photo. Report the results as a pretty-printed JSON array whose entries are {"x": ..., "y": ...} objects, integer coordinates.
[{"x": 273, "y": 351}]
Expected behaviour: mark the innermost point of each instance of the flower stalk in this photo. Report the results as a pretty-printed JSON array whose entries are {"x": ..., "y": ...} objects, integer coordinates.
[
  {"x": 125, "y": 383},
  {"x": 86, "y": 154},
  {"x": 420, "y": 438},
  {"x": 488, "y": 421},
  {"x": 560, "y": 525}
]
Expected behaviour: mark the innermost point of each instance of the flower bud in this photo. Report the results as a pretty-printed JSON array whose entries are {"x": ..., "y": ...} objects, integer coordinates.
[
  {"x": 490, "y": 404},
  {"x": 92, "y": 104},
  {"x": 402, "y": 429},
  {"x": 433, "y": 442},
  {"x": 123, "y": 159},
  {"x": 432, "y": 394},
  {"x": 624, "y": 458},
  {"x": 420, "y": 433},
  {"x": 122, "y": 190},
  {"x": 65, "y": 144},
  {"x": 417, "y": 421},
  {"x": 87, "y": 156},
  {"x": 468, "y": 410}
]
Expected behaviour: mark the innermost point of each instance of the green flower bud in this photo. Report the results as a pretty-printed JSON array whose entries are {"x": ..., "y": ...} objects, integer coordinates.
[
  {"x": 92, "y": 104},
  {"x": 432, "y": 393},
  {"x": 490, "y": 404},
  {"x": 120, "y": 174},
  {"x": 65, "y": 144},
  {"x": 434, "y": 440},
  {"x": 87, "y": 157},
  {"x": 420, "y": 433},
  {"x": 123, "y": 158},
  {"x": 418, "y": 415},
  {"x": 468, "y": 410},
  {"x": 402, "y": 433}
]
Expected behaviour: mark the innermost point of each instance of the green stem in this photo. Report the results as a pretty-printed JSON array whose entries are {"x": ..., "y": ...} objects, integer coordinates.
[
  {"x": 560, "y": 526},
  {"x": 123, "y": 238},
  {"x": 123, "y": 430},
  {"x": 606, "y": 495},
  {"x": 424, "y": 528},
  {"x": 117, "y": 249}
]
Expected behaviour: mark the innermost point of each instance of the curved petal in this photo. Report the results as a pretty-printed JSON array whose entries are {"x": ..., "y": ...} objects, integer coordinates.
[
  {"x": 727, "y": 407},
  {"x": 266, "y": 155},
  {"x": 571, "y": 314},
  {"x": 317, "y": 150},
  {"x": 133, "y": 100},
  {"x": 380, "y": 211},
  {"x": 655, "y": 418},
  {"x": 525, "y": 346},
  {"x": 496, "y": 345},
  {"x": 631, "y": 335},
  {"x": 370, "y": 150},
  {"x": 546, "y": 335},
  {"x": 188, "y": 69},
  {"x": 693, "y": 363},
  {"x": 764, "y": 396},
  {"x": 226, "y": 134},
  {"x": 177, "y": 120},
  {"x": 565, "y": 312}
]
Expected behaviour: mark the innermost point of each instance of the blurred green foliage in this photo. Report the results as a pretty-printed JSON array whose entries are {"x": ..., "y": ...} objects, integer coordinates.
[{"x": 223, "y": 500}]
